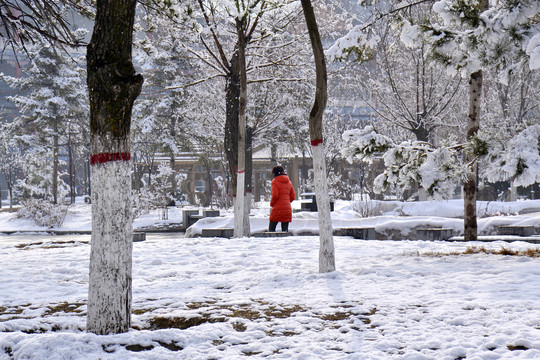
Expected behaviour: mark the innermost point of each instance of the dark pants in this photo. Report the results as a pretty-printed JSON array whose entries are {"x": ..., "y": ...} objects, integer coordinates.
[{"x": 273, "y": 224}]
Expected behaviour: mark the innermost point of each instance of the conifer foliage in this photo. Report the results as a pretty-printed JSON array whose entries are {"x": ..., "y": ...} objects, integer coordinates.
[{"x": 51, "y": 98}]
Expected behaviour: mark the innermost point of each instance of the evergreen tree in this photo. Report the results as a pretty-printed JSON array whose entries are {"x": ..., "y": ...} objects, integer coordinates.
[
  {"x": 52, "y": 107},
  {"x": 162, "y": 122}
]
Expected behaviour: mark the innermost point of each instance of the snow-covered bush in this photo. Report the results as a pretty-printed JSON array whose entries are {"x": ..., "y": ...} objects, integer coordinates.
[
  {"x": 43, "y": 212},
  {"x": 515, "y": 158},
  {"x": 141, "y": 201},
  {"x": 367, "y": 207},
  {"x": 440, "y": 172},
  {"x": 158, "y": 194},
  {"x": 163, "y": 186},
  {"x": 220, "y": 198},
  {"x": 411, "y": 163},
  {"x": 364, "y": 144},
  {"x": 503, "y": 157},
  {"x": 38, "y": 179}
]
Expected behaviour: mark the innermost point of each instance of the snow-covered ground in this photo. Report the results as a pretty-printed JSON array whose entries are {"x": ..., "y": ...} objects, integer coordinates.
[
  {"x": 394, "y": 220},
  {"x": 214, "y": 298},
  {"x": 389, "y": 217}
]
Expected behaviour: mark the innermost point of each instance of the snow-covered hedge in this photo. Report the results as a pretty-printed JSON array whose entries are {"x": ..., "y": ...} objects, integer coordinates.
[{"x": 43, "y": 212}]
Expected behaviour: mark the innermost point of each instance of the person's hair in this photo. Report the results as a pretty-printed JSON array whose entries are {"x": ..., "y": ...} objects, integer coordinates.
[{"x": 278, "y": 170}]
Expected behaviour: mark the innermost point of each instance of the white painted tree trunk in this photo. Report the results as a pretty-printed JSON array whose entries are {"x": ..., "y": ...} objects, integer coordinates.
[
  {"x": 109, "y": 289},
  {"x": 239, "y": 201},
  {"x": 327, "y": 261},
  {"x": 241, "y": 214}
]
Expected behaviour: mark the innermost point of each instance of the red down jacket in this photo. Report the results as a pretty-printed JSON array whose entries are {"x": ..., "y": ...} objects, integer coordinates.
[{"x": 282, "y": 196}]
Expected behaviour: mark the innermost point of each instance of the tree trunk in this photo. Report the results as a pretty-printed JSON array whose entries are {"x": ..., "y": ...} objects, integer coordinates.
[
  {"x": 470, "y": 186},
  {"x": 87, "y": 175},
  {"x": 209, "y": 180},
  {"x": 241, "y": 219},
  {"x": 10, "y": 189},
  {"x": 232, "y": 99},
  {"x": 55, "y": 162},
  {"x": 249, "y": 178},
  {"x": 113, "y": 87},
  {"x": 326, "y": 251},
  {"x": 172, "y": 163},
  {"x": 249, "y": 159},
  {"x": 71, "y": 173}
]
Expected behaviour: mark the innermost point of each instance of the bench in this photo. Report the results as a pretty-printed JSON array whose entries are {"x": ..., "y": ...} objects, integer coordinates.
[
  {"x": 190, "y": 217},
  {"x": 309, "y": 202},
  {"x": 210, "y": 213},
  {"x": 434, "y": 234},
  {"x": 219, "y": 232},
  {"x": 364, "y": 233},
  {"x": 139, "y": 236},
  {"x": 516, "y": 230}
]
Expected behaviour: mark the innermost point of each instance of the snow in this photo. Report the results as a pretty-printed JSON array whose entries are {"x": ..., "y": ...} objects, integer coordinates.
[
  {"x": 111, "y": 251},
  {"x": 533, "y": 50},
  {"x": 411, "y": 35},
  {"x": 327, "y": 261},
  {"x": 264, "y": 297}
]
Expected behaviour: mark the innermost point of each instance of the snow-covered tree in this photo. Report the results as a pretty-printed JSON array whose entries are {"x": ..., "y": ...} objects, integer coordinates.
[
  {"x": 10, "y": 162},
  {"x": 407, "y": 164},
  {"x": 516, "y": 157},
  {"x": 406, "y": 90},
  {"x": 22, "y": 21},
  {"x": 163, "y": 115},
  {"x": 52, "y": 106},
  {"x": 25, "y": 21},
  {"x": 229, "y": 31},
  {"x": 327, "y": 262},
  {"x": 162, "y": 186},
  {"x": 470, "y": 37},
  {"x": 113, "y": 87}
]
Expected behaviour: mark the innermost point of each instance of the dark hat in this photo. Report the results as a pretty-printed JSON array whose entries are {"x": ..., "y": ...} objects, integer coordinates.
[{"x": 278, "y": 170}]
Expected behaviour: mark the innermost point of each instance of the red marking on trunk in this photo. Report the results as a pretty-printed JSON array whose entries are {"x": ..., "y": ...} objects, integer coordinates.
[
  {"x": 316, "y": 142},
  {"x": 106, "y": 157}
]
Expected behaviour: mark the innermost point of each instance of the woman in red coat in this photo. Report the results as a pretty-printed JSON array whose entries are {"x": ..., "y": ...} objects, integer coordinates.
[{"x": 282, "y": 197}]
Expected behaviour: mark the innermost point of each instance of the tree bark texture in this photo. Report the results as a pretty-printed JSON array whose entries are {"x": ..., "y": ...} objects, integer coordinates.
[
  {"x": 113, "y": 87},
  {"x": 326, "y": 250},
  {"x": 172, "y": 162},
  {"x": 232, "y": 101},
  {"x": 249, "y": 180},
  {"x": 241, "y": 218},
  {"x": 470, "y": 186},
  {"x": 172, "y": 179},
  {"x": 56, "y": 147}
]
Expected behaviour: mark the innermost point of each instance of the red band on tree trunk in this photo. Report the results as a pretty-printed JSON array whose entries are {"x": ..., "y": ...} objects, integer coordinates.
[
  {"x": 316, "y": 142},
  {"x": 106, "y": 157},
  {"x": 241, "y": 171}
]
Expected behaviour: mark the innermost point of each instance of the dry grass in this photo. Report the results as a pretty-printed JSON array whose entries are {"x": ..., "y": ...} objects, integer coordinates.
[
  {"x": 472, "y": 250},
  {"x": 64, "y": 307},
  {"x": 50, "y": 244}
]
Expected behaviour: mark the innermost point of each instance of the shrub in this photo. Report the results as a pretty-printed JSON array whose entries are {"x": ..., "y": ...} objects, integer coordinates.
[{"x": 43, "y": 212}]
